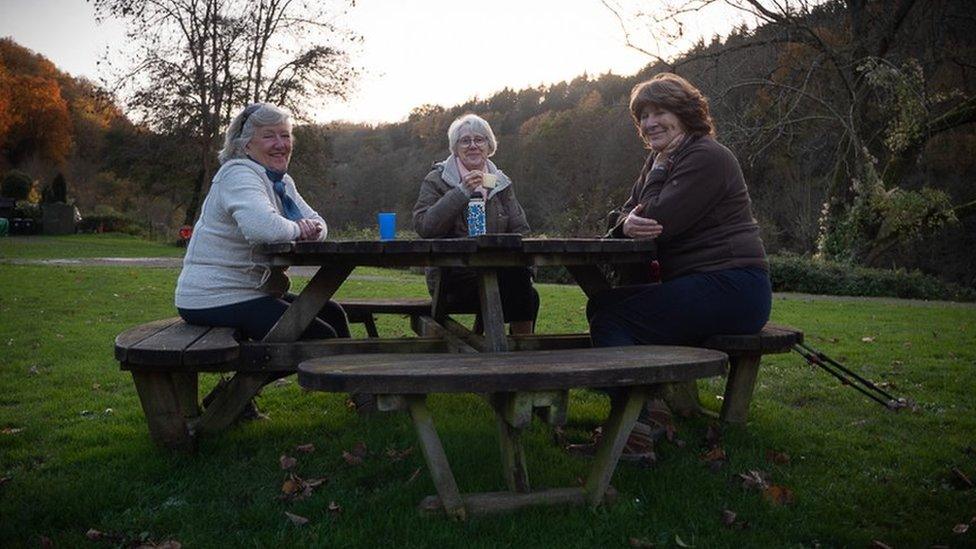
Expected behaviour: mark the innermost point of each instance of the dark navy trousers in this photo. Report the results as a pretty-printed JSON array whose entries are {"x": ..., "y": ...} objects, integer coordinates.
[
  {"x": 682, "y": 311},
  {"x": 256, "y": 317}
]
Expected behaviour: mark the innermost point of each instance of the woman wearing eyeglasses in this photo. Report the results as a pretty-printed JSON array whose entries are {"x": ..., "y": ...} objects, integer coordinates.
[
  {"x": 441, "y": 212},
  {"x": 252, "y": 200}
]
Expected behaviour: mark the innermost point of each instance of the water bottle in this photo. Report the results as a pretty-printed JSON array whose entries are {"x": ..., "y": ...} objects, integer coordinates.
[{"x": 476, "y": 215}]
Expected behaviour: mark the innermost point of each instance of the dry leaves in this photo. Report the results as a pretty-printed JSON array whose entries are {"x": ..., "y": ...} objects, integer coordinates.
[
  {"x": 867, "y": 339},
  {"x": 729, "y": 520},
  {"x": 878, "y": 544},
  {"x": 414, "y": 475},
  {"x": 11, "y": 430},
  {"x": 297, "y": 520},
  {"x": 287, "y": 462},
  {"x": 639, "y": 542},
  {"x": 334, "y": 508},
  {"x": 779, "y": 495},
  {"x": 305, "y": 448},
  {"x": 754, "y": 478},
  {"x": 355, "y": 455},
  {"x": 398, "y": 455},
  {"x": 296, "y": 488},
  {"x": 779, "y": 458},
  {"x": 960, "y": 479}
]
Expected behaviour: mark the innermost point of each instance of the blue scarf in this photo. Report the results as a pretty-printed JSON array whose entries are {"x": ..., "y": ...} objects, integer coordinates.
[{"x": 292, "y": 211}]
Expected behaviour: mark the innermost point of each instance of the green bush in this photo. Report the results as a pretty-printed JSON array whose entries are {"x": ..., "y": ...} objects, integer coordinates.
[
  {"x": 110, "y": 223},
  {"x": 804, "y": 275},
  {"x": 56, "y": 192},
  {"x": 27, "y": 210},
  {"x": 16, "y": 184}
]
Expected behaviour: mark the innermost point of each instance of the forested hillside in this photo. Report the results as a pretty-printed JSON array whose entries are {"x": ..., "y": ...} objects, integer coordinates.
[{"x": 865, "y": 107}]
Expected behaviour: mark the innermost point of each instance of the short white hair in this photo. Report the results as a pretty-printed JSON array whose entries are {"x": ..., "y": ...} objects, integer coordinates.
[
  {"x": 477, "y": 125},
  {"x": 242, "y": 128}
]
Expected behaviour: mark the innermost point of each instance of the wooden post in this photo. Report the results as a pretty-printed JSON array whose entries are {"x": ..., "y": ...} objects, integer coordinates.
[
  {"x": 302, "y": 311},
  {"x": 167, "y": 426},
  {"x": 226, "y": 408},
  {"x": 491, "y": 311},
  {"x": 682, "y": 398},
  {"x": 623, "y": 415},
  {"x": 437, "y": 464},
  {"x": 738, "y": 389},
  {"x": 186, "y": 386},
  {"x": 513, "y": 412}
]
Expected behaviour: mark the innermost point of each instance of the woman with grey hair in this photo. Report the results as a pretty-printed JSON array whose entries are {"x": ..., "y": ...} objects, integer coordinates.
[
  {"x": 252, "y": 200},
  {"x": 441, "y": 212}
]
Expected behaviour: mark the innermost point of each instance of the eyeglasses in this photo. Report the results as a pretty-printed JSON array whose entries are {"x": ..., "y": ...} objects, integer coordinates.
[{"x": 477, "y": 141}]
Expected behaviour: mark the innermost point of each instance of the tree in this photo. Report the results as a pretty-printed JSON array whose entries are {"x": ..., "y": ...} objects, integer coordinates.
[
  {"x": 868, "y": 75},
  {"x": 195, "y": 62}
]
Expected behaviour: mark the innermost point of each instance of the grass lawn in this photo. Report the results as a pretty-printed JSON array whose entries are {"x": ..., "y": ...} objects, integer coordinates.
[{"x": 75, "y": 454}]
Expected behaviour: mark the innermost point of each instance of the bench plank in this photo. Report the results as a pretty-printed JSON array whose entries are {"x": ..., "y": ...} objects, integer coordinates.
[
  {"x": 165, "y": 347},
  {"x": 130, "y": 337},
  {"x": 510, "y": 371},
  {"x": 217, "y": 346}
]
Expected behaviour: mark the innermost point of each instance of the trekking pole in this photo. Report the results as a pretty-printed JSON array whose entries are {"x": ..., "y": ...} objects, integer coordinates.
[{"x": 848, "y": 377}]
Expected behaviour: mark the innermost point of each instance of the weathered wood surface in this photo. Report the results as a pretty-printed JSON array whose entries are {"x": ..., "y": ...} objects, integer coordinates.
[
  {"x": 491, "y": 311},
  {"x": 302, "y": 311},
  {"x": 510, "y": 371},
  {"x": 772, "y": 339},
  {"x": 491, "y": 250},
  {"x": 488, "y": 503},
  {"x": 437, "y": 463},
  {"x": 623, "y": 415},
  {"x": 174, "y": 343},
  {"x": 739, "y": 388},
  {"x": 161, "y": 404},
  {"x": 406, "y": 306}
]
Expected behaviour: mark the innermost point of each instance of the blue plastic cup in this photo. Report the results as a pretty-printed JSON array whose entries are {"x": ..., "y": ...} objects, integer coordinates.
[{"x": 387, "y": 225}]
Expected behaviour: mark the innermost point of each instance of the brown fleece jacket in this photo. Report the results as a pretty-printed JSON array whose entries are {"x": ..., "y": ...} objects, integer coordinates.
[{"x": 701, "y": 201}]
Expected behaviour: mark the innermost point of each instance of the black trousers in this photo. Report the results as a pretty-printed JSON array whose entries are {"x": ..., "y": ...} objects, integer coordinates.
[
  {"x": 520, "y": 301},
  {"x": 256, "y": 317}
]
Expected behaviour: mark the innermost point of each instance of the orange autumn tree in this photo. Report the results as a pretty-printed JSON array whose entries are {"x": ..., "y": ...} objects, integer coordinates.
[{"x": 34, "y": 118}]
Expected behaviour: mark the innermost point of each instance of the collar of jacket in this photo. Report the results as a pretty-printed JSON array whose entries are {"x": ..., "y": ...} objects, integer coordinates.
[
  {"x": 677, "y": 155},
  {"x": 449, "y": 173}
]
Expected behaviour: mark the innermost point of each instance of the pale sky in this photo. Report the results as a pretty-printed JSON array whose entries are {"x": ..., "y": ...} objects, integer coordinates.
[{"x": 414, "y": 52}]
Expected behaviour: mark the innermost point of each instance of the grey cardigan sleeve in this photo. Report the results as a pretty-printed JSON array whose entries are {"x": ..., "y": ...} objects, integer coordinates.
[{"x": 436, "y": 211}]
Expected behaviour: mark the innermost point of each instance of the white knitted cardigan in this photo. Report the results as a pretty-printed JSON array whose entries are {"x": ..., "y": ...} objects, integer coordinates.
[{"x": 240, "y": 211}]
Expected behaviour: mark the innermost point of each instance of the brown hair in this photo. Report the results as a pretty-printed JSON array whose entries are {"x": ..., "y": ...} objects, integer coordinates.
[{"x": 673, "y": 93}]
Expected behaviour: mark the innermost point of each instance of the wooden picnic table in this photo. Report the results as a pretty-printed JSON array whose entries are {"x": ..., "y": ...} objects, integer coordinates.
[{"x": 519, "y": 375}]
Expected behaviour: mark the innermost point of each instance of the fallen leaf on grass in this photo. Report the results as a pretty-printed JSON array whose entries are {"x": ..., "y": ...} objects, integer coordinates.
[
  {"x": 728, "y": 517},
  {"x": 961, "y": 479},
  {"x": 754, "y": 479},
  {"x": 98, "y": 535},
  {"x": 305, "y": 448},
  {"x": 96, "y": 386},
  {"x": 297, "y": 520},
  {"x": 296, "y": 488},
  {"x": 4, "y": 480},
  {"x": 11, "y": 430},
  {"x": 281, "y": 382},
  {"x": 33, "y": 371},
  {"x": 639, "y": 542},
  {"x": 779, "y": 458},
  {"x": 398, "y": 455},
  {"x": 960, "y": 528},
  {"x": 867, "y": 339},
  {"x": 355, "y": 455},
  {"x": 878, "y": 544},
  {"x": 414, "y": 475},
  {"x": 167, "y": 544},
  {"x": 334, "y": 508},
  {"x": 287, "y": 462},
  {"x": 715, "y": 454},
  {"x": 680, "y": 542},
  {"x": 779, "y": 495},
  {"x": 45, "y": 542}
]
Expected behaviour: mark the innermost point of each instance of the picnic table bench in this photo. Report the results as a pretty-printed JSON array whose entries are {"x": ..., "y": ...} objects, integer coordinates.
[{"x": 517, "y": 383}]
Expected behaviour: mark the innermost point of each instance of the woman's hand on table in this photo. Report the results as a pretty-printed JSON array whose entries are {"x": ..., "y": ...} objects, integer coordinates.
[
  {"x": 310, "y": 229},
  {"x": 639, "y": 227}
]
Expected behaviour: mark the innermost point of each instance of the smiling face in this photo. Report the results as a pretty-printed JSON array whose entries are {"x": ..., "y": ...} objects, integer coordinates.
[
  {"x": 659, "y": 127},
  {"x": 472, "y": 149},
  {"x": 271, "y": 146}
]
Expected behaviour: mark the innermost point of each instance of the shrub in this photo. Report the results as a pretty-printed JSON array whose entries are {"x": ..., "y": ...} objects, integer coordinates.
[
  {"x": 110, "y": 223},
  {"x": 800, "y": 274},
  {"x": 16, "y": 184},
  {"x": 57, "y": 191}
]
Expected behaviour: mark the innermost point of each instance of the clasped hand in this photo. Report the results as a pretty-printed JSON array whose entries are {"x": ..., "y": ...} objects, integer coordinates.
[
  {"x": 639, "y": 227},
  {"x": 473, "y": 180},
  {"x": 310, "y": 229}
]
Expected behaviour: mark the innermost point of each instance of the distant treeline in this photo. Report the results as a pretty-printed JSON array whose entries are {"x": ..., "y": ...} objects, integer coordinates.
[{"x": 571, "y": 148}]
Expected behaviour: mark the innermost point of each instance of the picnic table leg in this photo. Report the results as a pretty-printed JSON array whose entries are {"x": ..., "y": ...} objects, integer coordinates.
[
  {"x": 623, "y": 415},
  {"x": 509, "y": 409},
  {"x": 229, "y": 403},
  {"x": 164, "y": 413},
  {"x": 302, "y": 311},
  {"x": 437, "y": 464},
  {"x": 738, "y": 389},
  {"x": 186, "y": 386},
  {"x": 491, "y": 311}
]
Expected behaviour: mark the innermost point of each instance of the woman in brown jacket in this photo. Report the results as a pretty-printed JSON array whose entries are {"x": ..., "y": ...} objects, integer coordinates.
[
  {"x": 692, "y": 199},
  {"x": 441, "y": 212}
]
